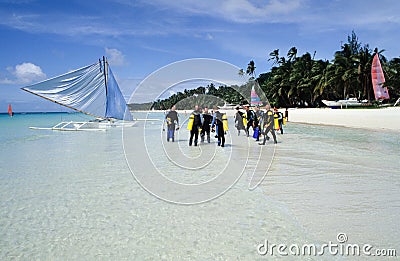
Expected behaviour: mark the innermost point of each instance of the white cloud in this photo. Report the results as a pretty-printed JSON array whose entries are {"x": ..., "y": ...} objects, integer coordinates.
[
  {"x": 24, "y": 73},
  {"x": 240, "y": 11},
  {"x": 115, "y": 57}
]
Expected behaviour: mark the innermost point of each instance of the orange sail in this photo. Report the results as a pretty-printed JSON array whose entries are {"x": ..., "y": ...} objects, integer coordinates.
[
  {"x": 378, "y": 79},
  {"x": 10, "y": 112}
]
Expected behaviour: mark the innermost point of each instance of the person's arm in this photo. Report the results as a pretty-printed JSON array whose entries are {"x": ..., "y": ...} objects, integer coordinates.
[
  {"x": 165, "y": 122},
  {"x": 213, "y": 121}
]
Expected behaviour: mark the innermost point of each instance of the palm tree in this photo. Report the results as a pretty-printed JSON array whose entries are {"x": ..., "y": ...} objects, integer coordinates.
[
  {"x": 274, "y": 55},
  {"x": 291, "y": 55},
  {"x": 251, "y": 69}
]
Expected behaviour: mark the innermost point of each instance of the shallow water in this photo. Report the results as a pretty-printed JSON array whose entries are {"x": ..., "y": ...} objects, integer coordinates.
[{"x": 71, "y": 195}]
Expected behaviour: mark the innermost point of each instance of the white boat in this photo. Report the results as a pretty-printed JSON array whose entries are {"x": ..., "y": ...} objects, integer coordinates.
[
  {"x": 351, "y": 102},
  {"x": 228, "y": 106},
  {"x": 380, "y": 92},
  {"x": 91, "y": 90}
]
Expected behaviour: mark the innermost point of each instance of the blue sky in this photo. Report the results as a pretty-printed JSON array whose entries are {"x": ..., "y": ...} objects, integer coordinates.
[{"x": 42, "y": 39}]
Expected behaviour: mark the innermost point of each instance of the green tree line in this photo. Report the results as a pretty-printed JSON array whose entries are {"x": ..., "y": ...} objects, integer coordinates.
[{"x": 302, "y": 81}]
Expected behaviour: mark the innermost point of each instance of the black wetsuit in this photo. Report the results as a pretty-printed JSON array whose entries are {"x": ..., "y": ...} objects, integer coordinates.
[
  {"x": 268, "y": 122},
  {"x": 195, "y": 128},
  {"x": 207, "y": 119},
  {"x": 217, "y": 120},
  {"x": 250, "y": 115},
  {"x": 280, "y": 121}
]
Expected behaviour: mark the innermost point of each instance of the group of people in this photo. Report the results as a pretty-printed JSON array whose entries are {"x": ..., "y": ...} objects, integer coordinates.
[
  {"x": 202, "y": 122},
  {"x": 262, "y": 122}
]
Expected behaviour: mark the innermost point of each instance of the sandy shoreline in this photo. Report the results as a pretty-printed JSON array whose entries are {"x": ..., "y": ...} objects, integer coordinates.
[{"x": 374, "y": 119}]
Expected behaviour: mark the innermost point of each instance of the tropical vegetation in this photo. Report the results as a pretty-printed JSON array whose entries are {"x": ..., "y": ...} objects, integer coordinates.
[{"x": 303, "y": 81}]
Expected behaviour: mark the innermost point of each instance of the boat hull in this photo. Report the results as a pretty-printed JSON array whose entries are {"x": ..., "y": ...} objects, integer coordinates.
[{"x": 345, "y": 103}]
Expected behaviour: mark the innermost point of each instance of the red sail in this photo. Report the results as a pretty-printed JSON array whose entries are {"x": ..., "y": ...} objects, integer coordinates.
[
  {"x": 10, "y": 112},
  {"x": 378, "y": 79}
]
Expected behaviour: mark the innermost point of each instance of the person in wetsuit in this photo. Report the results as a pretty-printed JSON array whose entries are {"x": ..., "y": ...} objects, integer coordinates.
[
  {"x": 280, "y": 119},
  {"x": 268, "y": 122},
  {"x": 207, "y": 119},
  {"x": 218, "y": 124},
  {"x": 239, "y": 121},
  {"x": 171, "y": 120},
  {"x": 250, "y": 116},
  {"x": 197, "y": 123},
  {"x": 256, "y": 124}
]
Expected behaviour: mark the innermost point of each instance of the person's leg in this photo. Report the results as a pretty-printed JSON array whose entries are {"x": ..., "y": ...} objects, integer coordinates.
[
  {"x": 167, "y": 135},
  {"x": 191, "y": 137},
  {"x": 208, "y": 136},
  {"x": 257, "y": 130},
  {"x": 202, "y": 134},
  {"x": 274, "y": 136},
  {"x": 266, "y": 131},
  {"x": 196, "y": 136}
]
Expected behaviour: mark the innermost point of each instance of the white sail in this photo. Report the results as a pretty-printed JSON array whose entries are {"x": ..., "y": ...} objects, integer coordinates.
[{"x": 89, "y": 90}]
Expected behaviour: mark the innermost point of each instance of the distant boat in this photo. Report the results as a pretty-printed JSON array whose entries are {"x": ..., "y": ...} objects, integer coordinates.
[
  {"x": 228, "y": 106},
  {"x": 378, "y": 79},
  {"x": 92, "y": 90},
  {"x": 351, "y": 102},
  {"x": 10, "y": 112},
  {"x": 254, "y": 98},
  {"x": 380, "y": 92}
]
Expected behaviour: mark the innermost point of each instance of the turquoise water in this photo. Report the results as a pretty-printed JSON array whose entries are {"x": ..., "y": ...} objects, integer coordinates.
[{"x": 71, "y": 195}]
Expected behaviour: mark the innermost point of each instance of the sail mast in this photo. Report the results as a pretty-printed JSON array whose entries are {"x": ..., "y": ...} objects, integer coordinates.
[{"x": 105, "y": 74}]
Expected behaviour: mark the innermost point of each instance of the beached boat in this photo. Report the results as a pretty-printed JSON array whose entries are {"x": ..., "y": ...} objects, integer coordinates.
[
  {"x": 378, "y": 79},
  {"x": 351, "y": 102},
  {"x": 228, "y": 106},
  {"x": 380, "y": 92},
  {"x": 91, "y": 90}
]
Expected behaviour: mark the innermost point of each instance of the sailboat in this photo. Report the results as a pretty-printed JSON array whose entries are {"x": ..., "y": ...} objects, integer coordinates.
[
  {"x": 91, "y": 90},
  {"x": 10, "y": 112},
  {"x": 254, "y": 98},
  {"x": 380, "y": 92},
  {"x": 378, "y": 79}
]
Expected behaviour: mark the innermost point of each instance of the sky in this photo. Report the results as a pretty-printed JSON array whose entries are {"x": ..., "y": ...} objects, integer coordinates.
[{"x": 43, "y": 39}]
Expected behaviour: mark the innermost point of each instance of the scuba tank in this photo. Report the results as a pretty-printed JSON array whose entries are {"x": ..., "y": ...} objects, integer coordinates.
[
  {"x": 276, "y": 121},
  {"x": 225, "y": 122},
  {"x": 190, "y": 122},
  {"x": 244, "y": 116}
]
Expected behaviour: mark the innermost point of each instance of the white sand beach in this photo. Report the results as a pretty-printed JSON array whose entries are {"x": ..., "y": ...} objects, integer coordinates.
[
  {"x": 376, "y": 119},
  {"x": 373, "y": 119}
]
